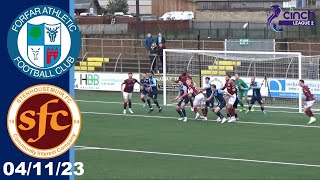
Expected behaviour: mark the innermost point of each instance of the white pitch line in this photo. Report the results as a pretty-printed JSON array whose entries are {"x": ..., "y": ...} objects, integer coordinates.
[
  {"x": 204, "y": 157},
  {"x": 107, "y": 102},
  {"x": 164, "y": 117}
]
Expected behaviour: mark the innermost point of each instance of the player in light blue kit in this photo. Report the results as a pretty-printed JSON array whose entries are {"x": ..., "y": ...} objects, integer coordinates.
[
  {"x": 184, "y": 99},
  {"x": 218, "y": 95},
  {"x": 256, "y": 95},
  {"x": 153, "y": 92}
]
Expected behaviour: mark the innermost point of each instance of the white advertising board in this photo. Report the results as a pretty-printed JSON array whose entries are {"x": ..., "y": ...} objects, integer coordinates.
[
  {"x": 281, "y": 88},
  {"x": 102, "y": 81}
]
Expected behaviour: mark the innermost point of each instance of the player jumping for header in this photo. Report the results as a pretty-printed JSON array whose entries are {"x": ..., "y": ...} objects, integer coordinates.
[
  {"x": 256, "y": 95},
  {"x": 198, "y": 100},
  {"x": 230, "y": 90},
  {"x": 153, "y": 92},
  {"x": 184, "y": 99},
  {"x": 218, "y": 95},
  {"x": 309, "y": 101},
  {"x": 127, "y": 92}
]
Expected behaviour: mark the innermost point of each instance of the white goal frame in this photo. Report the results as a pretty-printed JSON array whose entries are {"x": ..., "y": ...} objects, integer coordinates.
[{"x": 165, "y": 51}]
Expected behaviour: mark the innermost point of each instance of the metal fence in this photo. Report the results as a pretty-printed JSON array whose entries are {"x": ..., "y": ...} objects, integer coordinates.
[
  {"x": 130, "y": 54},
  {"x": 188, "y": 30}
]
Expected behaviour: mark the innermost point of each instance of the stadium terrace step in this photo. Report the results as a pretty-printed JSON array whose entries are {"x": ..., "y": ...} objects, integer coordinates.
[
  {"x": 224, "y": 68},
  {"x": 97, "y": 59},
  {"x": 90, "y": 64},
  {"x": 78, "y": 68},
  {"x": 228, "y": 63},
  {"x": 209, "y": 72}
]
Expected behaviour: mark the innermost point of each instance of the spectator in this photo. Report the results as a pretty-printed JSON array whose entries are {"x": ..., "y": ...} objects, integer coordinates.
[
  {"x": 312, "y": 70},
  {"x": 149, "y": 41},
  {"x": 160, "y": 53},
  {"x": 160, "y": 40},
  {"x": 153, "y": 56}
]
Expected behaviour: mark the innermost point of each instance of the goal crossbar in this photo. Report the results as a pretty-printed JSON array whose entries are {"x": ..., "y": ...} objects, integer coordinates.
[{"x": 232, "y": 55}]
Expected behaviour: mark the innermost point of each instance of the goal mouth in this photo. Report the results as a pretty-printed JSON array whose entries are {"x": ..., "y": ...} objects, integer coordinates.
[{"x": 281, "y": 71}]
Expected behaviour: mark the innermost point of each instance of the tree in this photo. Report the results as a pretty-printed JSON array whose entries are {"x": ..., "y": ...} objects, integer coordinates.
[
  {"x": 117, "y": 6},
  {"x": 35, "y": 32}
]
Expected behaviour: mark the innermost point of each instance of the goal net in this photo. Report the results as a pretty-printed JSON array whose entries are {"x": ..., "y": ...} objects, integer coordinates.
[{"x": 278, "y": 72}]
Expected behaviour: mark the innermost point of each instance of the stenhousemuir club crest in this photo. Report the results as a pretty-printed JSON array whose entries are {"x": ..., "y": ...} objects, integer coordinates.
[{"x": 44, "y": 42}]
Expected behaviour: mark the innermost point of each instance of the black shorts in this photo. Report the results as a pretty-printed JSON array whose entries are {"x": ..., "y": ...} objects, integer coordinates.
[
  {"x": 258, "y": 99},
  {"x": 185, "y": 100},
  {"x": 235, "y": 104},
  {"x": 210, "y": 103},
  {"x": 153, "y": 94},
  {"x": 144, "y": 91},
  {"x": 222, "y": 105}
]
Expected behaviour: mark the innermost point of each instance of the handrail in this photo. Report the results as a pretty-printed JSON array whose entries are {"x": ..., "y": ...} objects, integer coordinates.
[
  {"x": 288, "y": 67},
  {"x": 189, "y": 62},
  {"x": 153, "y": 61},
  {"x": 82, "y": 61},
  {"x": 249, "y": 68},
  {"x": 115, "y": 66}
]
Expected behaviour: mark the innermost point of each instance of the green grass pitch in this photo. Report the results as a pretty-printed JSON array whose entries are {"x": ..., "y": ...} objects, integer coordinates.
[{"x": 157, "y": 146}]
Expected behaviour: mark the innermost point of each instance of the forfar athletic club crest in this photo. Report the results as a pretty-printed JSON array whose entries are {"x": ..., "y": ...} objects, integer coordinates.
[{"x": 44, "y": 42}]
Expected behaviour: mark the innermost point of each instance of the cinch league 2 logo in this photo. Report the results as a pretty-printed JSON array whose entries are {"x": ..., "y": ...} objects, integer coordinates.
[
  {"x": 44, "y": 42},
  {"x": 290, "y": 18},
  {"x": 44, "y": 121}
]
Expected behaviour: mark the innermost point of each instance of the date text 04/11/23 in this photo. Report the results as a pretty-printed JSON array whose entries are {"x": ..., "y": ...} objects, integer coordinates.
[{"x": 51, "y": 169}]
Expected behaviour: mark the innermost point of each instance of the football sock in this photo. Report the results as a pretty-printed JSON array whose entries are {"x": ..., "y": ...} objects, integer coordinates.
[
  {"x": 195, "y": 109},
  {"x": 231, "y": 112},
  {"x": 262, "y": 108},
  {"x": 191, "y": 102},
  {"x": 236, "y": 115},
  {"x": 184, "y": 112},
  {"x": 219, "y": 114},
  {"x": 179, "y": 112},
  {"x": 149, "y": 103},
  {"x": 241, "y": 104},
  {"x": 143, "y": 100},
  {"x": 204, "y": 112},
  {"x": 228, "y": 115},
  {"x": 206, "y": 109},
  {"x": 309, "y": 113},
  {"x": 156, "y": 102},
  {"x": 129, "y": 104},
  {"x": 124, "y": 105},
  {"x": 250, "y": 108}
]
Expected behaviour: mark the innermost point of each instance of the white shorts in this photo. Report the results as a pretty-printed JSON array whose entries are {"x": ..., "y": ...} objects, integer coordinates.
[
  {"x": 308, "y": 104},
  {"x": 232, "y": 99},
  {"x": 199, "y": 99},
  {"x": 127, "y": 95}
]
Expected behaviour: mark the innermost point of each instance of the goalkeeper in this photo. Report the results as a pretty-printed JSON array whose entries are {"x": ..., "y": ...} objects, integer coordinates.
[{"x": 242, "y": 91}]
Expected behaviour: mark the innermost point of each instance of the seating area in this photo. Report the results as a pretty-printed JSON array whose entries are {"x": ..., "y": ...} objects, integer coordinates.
[
  {"x": 126, "y": 63},
  {"x": 220, "y": 68},
  {"x": 90, "y": 63}
]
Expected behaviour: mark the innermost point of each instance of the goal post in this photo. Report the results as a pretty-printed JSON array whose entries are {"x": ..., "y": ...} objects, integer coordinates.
[{"x": 282, "y": 71}]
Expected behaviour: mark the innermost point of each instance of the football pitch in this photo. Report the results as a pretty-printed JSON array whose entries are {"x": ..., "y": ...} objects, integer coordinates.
[{"x": 157, "y": 146}]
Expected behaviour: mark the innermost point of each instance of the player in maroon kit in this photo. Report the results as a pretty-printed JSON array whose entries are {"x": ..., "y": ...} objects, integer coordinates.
[
  {"x": 309, "y": 101},
  {"x": 127, "y": 92},
  {"x": 231, "y": 91},
  {"x": 183, "y": 77},
  {"x": 198, "y": 100}
]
